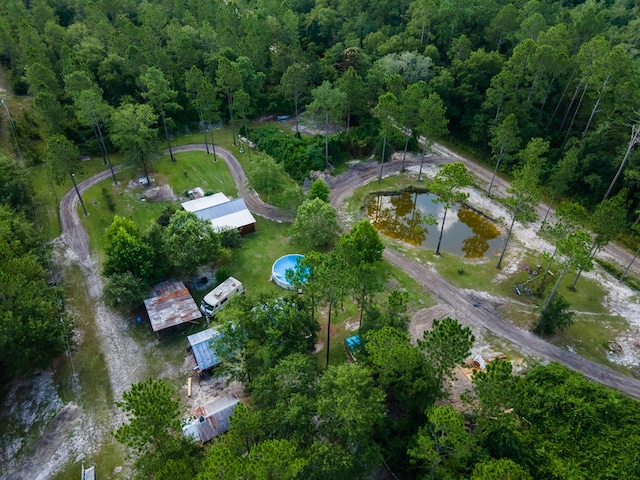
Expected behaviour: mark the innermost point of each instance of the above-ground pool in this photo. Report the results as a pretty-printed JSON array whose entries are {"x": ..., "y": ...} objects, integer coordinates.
[{"x": 280, "y": 267}]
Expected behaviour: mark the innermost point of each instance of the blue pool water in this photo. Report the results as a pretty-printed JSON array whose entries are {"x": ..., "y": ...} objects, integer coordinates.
[{"x": 280, "y": 267}]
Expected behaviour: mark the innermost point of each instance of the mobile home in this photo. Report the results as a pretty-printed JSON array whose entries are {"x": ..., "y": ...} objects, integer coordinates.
[{"x": 219, "y": 296}]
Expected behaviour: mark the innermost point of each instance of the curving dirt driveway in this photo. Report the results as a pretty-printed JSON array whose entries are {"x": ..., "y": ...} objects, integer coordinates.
[
  {"x": 469, "y": 310},
  {"x": 342, "y": 186},
  {"x": 251, "y": 198}
]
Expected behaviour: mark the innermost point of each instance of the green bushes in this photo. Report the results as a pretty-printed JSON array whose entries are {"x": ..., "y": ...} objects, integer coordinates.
[{"x": 299, "y": 155}]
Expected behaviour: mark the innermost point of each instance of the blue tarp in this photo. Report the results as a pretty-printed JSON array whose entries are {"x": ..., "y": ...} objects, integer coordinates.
[{"x": 353, "y": 343}]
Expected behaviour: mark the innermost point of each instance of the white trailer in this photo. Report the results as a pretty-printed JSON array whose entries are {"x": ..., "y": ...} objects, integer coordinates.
[{"x": 219, "y": 296}]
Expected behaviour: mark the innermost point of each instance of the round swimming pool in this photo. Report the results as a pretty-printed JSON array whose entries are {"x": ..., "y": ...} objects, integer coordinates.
[{"x": 280, "y": 267}]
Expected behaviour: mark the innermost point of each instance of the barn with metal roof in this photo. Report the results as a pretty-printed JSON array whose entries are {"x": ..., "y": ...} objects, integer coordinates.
[
  {"x": 211, "y": 420},
  {"x": 223, "y": 213}
]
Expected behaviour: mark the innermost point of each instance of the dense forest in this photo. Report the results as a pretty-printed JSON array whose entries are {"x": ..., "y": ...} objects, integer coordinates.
[
  {"x": 506, "y": 72},
  {"x": 501, "y": 78}
]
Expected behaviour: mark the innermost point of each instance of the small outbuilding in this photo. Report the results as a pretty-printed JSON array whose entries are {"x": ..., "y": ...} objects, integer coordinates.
[
  {"x": 88, "y": 473},
  {"x": 203, "y": 350},
  {"x": 223, "y": 213},
  {"x": 211, "y": 420},
  {"x": 170, "y": 305}
]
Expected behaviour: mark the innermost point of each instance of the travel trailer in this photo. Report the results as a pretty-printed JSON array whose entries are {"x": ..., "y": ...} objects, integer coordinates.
[{"x": 219, "y": 296}]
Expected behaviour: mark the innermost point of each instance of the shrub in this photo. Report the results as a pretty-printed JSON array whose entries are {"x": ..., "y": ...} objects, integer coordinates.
[
  {"x": 222, "y": 273},
  {"x": 108, "y": 199}
]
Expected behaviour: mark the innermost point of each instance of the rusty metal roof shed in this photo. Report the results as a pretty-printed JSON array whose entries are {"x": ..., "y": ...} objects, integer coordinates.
[
  {"x": 171, "y": 304},
  {"x": 211, "y": 420}
]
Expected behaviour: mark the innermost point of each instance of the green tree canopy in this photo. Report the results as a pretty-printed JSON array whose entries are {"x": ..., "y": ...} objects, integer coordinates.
[
  {"x": 319, "y": 189},
  {"x": 316, "y": 224},
  {"x": 33, "y": 325},
  {"x": 445, "y": 345},
  {"x": 190, "y": 242},
  {"x": 133, "y": 133}
]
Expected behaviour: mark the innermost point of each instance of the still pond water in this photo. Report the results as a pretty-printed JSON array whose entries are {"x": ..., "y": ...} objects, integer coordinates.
[{"x": 405, "y": 217}]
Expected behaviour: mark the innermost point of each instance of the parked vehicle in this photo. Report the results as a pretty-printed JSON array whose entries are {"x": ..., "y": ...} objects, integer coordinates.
[{"x": 219, "y": 296}]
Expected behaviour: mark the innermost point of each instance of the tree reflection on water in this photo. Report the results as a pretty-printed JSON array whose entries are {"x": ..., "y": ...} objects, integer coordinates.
[{"x": 407, "y": 216}]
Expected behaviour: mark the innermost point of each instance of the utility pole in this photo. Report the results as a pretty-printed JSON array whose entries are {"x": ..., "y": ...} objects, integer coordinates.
[{"x": 633, "y": 141}]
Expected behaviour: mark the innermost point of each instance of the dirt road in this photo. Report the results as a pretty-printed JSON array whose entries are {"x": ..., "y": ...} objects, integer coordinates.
[
  {"x": 251, "y": 198},
  {"x": 612, "y": 253},
  {"x": 124, "y": 358},
  {"x": 484, "y": 314},
  {"x": 120, "y": 350},
  {"x": 474, "y": 312}
]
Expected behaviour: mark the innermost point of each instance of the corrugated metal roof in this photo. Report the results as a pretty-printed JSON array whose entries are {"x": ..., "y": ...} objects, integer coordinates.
[
  {"x": 205, "y": 202},
  {"x": 224, "y": 214},
  {"x": 202, "y": 349},
  {"x": 222, "y": 209},
  {"x": 170, "y": 305},
  {"x": 211, "y": 420},
  {"x": 235, "y": 220}
]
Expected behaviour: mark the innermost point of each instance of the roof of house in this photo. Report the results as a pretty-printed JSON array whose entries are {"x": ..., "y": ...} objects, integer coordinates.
[
  {"x": 203, "y": 351},
  {"x": 171, "y": 304},
  {"x": 205, "y": 202},
  {"x": 211, "y": 419},
  {"x": 225, "y": 216}
]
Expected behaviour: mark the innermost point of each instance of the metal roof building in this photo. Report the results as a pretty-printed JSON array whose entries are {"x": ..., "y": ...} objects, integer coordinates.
[
  {"x": 211, "y": 420},
  {"x": 171, "y": 304},
  {"x": 205, "y": 202},
  {"x": 202, "y": 349},
  {"x": 224, "y": 214}
]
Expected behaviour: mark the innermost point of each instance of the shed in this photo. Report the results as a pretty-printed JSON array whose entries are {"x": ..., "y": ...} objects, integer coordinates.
[
  {"x": 202, "y": 349},
  {"x": 171, "y": 304},
  {"x": 211, "y": 420},
  {"x": 88, "y": 473},
  {"x": 223, "y": 213}
]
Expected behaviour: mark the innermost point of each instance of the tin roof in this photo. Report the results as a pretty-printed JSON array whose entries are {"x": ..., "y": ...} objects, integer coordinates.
[
  {"x": 205, "y": 202},
  {"x": 203, "y": 351},
  {"x": 170, "y": 305},
  {"x": 211, "y": 419},
  {"x": 228, "y": 215}
]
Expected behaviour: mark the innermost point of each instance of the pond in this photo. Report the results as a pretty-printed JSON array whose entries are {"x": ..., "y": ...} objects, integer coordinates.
[{"x": 405, "y": 216}]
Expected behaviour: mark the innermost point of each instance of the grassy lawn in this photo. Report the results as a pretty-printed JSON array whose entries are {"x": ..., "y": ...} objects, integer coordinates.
[
  {"x": 105, "y": 460},
  {"x": 48, "y": 194},
  {"x": 590, "y": 335},
  {"x": 192, "y": 169},
  {"x": 252, "y": 263}
]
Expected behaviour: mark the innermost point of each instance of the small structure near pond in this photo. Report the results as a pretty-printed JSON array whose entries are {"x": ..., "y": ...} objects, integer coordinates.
[
  {"x": 170, "y": 305},
  {"x": 211, "y": 420}
]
